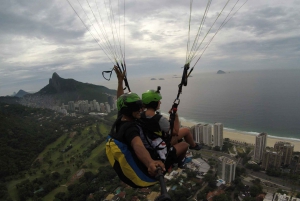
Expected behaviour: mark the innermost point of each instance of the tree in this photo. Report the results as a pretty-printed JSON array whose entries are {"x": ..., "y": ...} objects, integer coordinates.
[
  {"x": 43, "y": 171},
  {"x": 61, "y": 196},
  {"x": 222, "y": 197},
  {"x": 55, "y": 175},
  {"x": 255, "y": 190},
  {"x": 217, "y": 148},
  {"x": 256, "y": 181},
  {"x": 67, "y": 171},
  {"x": 211, "y": 180}
]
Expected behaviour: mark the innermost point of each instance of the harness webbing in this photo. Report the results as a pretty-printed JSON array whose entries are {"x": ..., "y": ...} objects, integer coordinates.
[{"x": 184, "y": 80}]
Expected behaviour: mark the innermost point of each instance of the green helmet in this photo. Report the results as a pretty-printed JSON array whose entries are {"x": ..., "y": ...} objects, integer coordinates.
[
  {"x": 130, "y": 101},
  {"x": 150, "y": 96}
]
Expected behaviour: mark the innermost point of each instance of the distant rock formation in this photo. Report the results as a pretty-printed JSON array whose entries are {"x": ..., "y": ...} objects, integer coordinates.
[
  {"x": 61, "y": 85},
  {"x": 21, "y": 93},
  {"x": 61, "y": 90},
  {"x": 153, "y": 78},
  {"x": 161, "y": 78},
  {"x": 220, "y": 72}
]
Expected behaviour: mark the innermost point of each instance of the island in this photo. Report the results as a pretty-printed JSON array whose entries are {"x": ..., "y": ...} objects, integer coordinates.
[
  {"x": 153, "y": 78},
  {"x": 220, "y": 72}
]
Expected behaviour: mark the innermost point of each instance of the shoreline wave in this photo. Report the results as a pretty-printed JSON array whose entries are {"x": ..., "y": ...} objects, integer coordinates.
[{"x": 253, "y": 133}]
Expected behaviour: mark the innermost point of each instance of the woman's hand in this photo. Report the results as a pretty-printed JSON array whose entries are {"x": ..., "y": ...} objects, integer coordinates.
[
  {"x": 152, "y": 167},
  {"x": 119, "y": 74}
]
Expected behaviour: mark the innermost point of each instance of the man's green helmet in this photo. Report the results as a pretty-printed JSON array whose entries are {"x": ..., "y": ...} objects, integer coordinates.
[
  {"x": 151, "y": 96},
  {"x": 129, "y": 101}
]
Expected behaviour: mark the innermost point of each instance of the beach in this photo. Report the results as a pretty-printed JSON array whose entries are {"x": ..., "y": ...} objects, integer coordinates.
[{"x": 249, "y": 138}]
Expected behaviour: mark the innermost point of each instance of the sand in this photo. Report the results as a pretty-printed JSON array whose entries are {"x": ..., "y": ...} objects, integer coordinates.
[{"x": 249, "y": 138}]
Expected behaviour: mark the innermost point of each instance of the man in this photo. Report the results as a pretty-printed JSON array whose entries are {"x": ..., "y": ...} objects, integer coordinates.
[{"x": 152, "y": 100}]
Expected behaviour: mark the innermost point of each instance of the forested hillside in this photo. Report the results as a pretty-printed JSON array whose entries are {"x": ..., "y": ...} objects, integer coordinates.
[{"x": 25, "y": 134}]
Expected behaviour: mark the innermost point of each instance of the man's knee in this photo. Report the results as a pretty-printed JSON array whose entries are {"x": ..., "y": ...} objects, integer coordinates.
[
  {"x": 185, "y": 131},
  {"x": 181, "y": 148}
]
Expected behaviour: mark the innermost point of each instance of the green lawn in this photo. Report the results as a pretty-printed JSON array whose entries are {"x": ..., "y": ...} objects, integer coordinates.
[
  {"x": 51, "y": 195},
  {"x": 231, "y": 149},
  {"x": 240, "y": 150},
  {"x": 79, "y": 143}
]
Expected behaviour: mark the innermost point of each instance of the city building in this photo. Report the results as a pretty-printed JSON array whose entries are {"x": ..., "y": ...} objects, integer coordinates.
[
  {"x": 295, "y": 164},
  {"x": 271, "y": 159},
  {"x": 287, "y": 150},
  {"x": 218, "y": 135},
  {"x": 71, "y": 106},
  {"x": 207, "y": 134},
  {"x": 197, "y": 132},
  {"x": 280, "y": 197},
  {"x": 107, "y": 107},
  {"x": 83, "y": 106},
  {"x": 226, "y": 169},
  {"x": 102, "y": 108},
  {"x": 110, "y": 100},
  {"x": 260, "y": 146}
]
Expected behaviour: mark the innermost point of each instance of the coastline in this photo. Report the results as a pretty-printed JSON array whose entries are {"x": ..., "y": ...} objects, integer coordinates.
[{"x": 250, "y": 138}]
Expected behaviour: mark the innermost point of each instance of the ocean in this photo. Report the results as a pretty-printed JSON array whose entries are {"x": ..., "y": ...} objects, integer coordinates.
[{"x": 246, "y": 101}]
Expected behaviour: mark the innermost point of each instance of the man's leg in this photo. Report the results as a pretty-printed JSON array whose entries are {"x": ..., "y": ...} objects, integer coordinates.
[
  {"x": 181, "y": 149},
  {"x": 187, "y": 135}
]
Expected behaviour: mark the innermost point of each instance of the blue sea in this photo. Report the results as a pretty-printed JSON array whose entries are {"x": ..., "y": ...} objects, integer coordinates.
[{"x": 249, "y": 101}]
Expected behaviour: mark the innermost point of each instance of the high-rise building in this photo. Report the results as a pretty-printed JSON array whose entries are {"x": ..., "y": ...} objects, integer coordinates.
[
  {"x": 260, "y": 146},
  {"x": 207, "y": 133},
  {"x": 295, "y": 164},
  {"x": 83, "y": 106},
  {"x": 287, "y": 150},
  {"x": 218, "y": 134},
  {"x": 71, "y": 106},
  {"x": 107, "y": 107},
  {"x": 110, "y": 100},
  {"x": 271, "y": 159},
  {"x": 102, "y": 108},
  {"x": 197, "y": 132},
  {"x": 226, "y": 169},
  {"x": 97, "y": 107}
]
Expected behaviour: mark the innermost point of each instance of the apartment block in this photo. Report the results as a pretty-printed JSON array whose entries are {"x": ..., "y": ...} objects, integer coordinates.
[
  {"x": 271, "y": 159},
  {"x": 218, "y": 134},
  {"x": 226, "y": 169},
  {"x": 207, "y": 134},
  {"x": 287, "y": 150},
  {"x": 197, "y": 132},
  {"x": 260, "y": 146},
  {"x": 107, "y": 107}
]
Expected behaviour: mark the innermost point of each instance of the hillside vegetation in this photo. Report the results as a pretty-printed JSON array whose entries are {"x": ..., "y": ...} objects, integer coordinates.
[{"x": 43, "y": 153}]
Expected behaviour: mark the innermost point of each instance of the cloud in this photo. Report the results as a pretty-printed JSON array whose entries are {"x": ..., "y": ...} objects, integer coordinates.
[{"x": 38, "y": 38}]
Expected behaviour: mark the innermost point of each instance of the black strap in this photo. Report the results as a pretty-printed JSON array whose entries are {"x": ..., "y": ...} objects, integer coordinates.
[
  {"x": 184, "y": 81},
  {"x": 121, "y": 70}
]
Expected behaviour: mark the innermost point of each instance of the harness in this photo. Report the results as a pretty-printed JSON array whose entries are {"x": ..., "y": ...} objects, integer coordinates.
[
  {"x": 121, "y": 157},
  {"x": 151, "y": 126}
]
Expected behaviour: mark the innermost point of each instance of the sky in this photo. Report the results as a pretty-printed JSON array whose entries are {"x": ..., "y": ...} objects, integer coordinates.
[{"x": 38, "y": 38}]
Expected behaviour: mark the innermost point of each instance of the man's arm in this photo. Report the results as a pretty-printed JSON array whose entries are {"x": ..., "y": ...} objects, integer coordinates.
[{"x": 144, "y": 156}]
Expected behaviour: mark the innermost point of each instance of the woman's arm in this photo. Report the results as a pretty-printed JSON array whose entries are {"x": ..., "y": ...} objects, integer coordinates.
[
  {"x": 144, "y": 156},
  {"x": 120, "y": 76}
]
